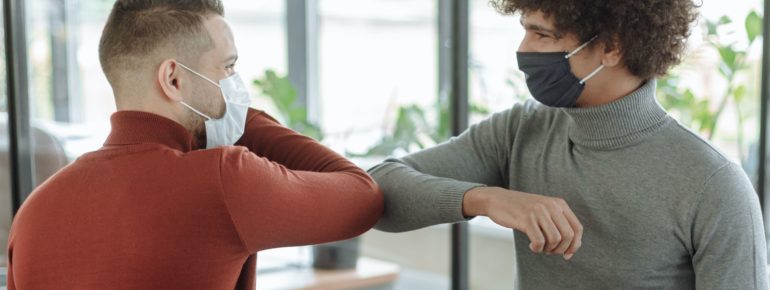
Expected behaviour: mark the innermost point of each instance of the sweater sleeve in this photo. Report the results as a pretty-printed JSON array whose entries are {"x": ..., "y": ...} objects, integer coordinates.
[
  {"x": 285, "y": 189},
  {"x": 427, "y": 188},
  {"x": 267, "y": 138},
  {"x": 728, "y": 238}
]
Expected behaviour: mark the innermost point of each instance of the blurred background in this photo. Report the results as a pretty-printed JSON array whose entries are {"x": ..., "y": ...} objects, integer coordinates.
[{"x": 370, "y": 79}]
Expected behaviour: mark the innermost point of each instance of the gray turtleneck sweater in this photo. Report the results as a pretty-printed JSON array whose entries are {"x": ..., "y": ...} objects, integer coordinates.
[{"x": 661, "y": 208}]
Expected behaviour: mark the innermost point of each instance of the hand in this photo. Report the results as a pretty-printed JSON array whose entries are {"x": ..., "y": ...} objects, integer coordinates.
[{"x": 549, "y": 223}]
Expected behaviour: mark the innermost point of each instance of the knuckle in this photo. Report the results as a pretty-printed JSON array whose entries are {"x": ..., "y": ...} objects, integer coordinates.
[
  {"x": 552, "y": 205},
  {"x": 578, "y": 244}
]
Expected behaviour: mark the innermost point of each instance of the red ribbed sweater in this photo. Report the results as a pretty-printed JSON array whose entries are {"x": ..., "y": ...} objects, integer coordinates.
[{"x": 148, "y": 211}]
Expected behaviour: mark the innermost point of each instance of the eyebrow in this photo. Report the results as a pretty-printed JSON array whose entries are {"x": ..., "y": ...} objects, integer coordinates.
[
  {"x": 539, "y": 28},
  {"x": 233, "y": 58}
]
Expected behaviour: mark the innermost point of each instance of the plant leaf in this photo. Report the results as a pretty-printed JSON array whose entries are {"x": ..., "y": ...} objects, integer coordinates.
[{"x": 753, "y": 26}]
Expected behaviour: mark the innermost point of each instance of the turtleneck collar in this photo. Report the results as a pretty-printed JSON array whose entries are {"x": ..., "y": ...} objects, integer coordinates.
[
  {"x": 135, "y": 127},
  {"x": 620, "y": 123}
]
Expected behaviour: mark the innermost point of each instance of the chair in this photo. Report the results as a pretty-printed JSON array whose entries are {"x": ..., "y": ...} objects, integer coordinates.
[{"x": 49, "y": 157}]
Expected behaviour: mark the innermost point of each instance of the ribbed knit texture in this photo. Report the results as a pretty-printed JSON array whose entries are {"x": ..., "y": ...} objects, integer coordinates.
[{"x": 661, "y": 208}]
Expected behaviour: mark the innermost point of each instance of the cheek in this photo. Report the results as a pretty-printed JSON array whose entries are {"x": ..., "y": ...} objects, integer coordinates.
[
  {"x": 217, "y": 101},
  {"x": 531, "y": 43},
  {"x": 209, "y": 99},
  {"x": 582, "y": 66}
]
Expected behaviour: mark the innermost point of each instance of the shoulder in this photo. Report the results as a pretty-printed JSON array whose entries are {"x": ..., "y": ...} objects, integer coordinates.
[
  {"x": 689, "y": 151},
  {"x": 729, "y": 189},
  {"x": 229, "y": 155},
  {"x": 694, "y": 160},
  {"x": 258, "y": 116}
]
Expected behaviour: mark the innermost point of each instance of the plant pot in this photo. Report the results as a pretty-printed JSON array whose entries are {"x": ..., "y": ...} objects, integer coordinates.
[{"x": 336, "y": 255}]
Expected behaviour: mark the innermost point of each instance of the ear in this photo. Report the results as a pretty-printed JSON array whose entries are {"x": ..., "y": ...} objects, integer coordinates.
[
  {"x": 169, "y": 80},
  {"x": 612, "y": 55}
]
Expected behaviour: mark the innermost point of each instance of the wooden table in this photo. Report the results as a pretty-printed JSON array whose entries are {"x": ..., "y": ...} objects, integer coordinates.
[{"x": 369, "y": 274}]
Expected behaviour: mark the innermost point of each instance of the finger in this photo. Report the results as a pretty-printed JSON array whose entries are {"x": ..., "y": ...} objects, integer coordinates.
[
  {"x": 551, "y": 232},
  {"x": 567, "y": 234},
  {"x": 536, "y": 238},
  {"x": 577, "y": 227}
]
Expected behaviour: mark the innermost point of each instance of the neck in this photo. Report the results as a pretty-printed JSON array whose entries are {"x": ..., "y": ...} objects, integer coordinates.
[
  {"x": 608, "y": 87},
  {"x": 620, "y": 123},
  {"x": 169, "y": 112},
  {"x": 150, "y": 103}
]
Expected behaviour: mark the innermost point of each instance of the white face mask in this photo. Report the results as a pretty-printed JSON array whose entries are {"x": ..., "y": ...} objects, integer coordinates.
[{"x": 227, "y": 130}]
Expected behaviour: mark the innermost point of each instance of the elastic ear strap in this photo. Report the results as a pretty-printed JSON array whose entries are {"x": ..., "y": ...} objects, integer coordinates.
[
  {"x": 581, "y": 47},
  {"x": 196, "y": 111},
  {"x": 198, "y": 74},
  {"x": 592, "y": 74}
]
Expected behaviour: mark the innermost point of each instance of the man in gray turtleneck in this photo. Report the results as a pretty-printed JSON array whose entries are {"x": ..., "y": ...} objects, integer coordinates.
[{"x": 596, "y": 162}]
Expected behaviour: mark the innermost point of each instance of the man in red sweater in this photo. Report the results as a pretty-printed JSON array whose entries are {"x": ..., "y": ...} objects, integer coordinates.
[{"x": 149, "y": 210}]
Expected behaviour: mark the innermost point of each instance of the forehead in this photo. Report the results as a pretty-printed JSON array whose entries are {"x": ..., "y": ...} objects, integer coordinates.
[
  {"x": 537, "y": 18},
  {"x": 221, "y": 34}
]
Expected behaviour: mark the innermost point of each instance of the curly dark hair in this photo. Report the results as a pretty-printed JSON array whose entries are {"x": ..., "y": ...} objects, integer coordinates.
[{"x": 652, "y": 34}]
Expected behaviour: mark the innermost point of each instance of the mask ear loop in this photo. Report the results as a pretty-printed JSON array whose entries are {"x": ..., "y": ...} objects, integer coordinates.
[
  {"x": 581, "y": 47},
  {"x": 203, "y": 77},
  {"x": 592, "y": 74},
  {"x": 196, "y": 111},
  {"x": 198, "y": 74}
]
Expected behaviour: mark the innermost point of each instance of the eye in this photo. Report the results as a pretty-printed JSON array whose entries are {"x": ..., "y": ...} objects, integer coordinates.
[
  {"x": 230, "y": 68},
  {"x": 541, "y": 35}
]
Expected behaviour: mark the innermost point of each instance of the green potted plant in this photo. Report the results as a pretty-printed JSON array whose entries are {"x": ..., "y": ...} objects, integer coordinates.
[{"x": 703, "y": 115}]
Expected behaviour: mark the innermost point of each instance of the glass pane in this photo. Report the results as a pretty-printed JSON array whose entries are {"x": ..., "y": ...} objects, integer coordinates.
[
  {"x": 376, "y": 57},
  {"x": 260, "y": 35},
  {"x": 496, "y": 84},
  {"x": 378, "y": 64},
  {"x": 70, "y": 99}
]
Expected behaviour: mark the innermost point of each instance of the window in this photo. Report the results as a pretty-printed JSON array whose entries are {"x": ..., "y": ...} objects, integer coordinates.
[
  {"x": 260, "y": 36},
  {"x": 495, "y": 85},
  {"x": 378, "y": 63},
  {"x": 70, "y": 99},
  {"x": 376, "y": 58}
]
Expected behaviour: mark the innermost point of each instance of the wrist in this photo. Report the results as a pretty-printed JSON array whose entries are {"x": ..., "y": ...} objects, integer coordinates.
[{"x": 476, "y": 201}]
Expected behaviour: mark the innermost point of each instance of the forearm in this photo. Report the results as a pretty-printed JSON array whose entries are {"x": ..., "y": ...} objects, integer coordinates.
[
  {"x": 415, "y": 200},
  {"x": 272, "y": 206},
  {"x": 428, "y": 187},
  {"x": 267, "y": 138}
]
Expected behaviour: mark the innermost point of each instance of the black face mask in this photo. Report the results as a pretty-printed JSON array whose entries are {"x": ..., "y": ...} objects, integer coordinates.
[{"x": 550, "y": 79}]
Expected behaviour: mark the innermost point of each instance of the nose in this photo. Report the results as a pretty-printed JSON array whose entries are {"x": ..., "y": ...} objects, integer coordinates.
[{"x": 524, "y": 45}]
